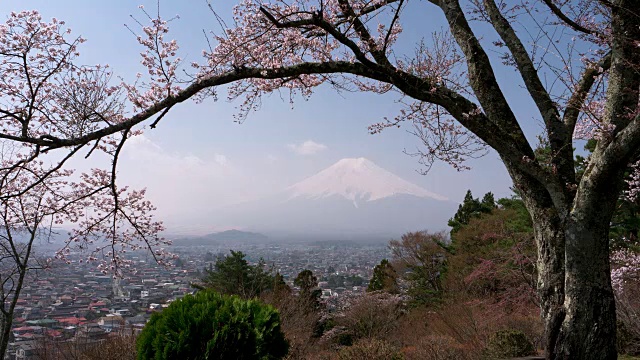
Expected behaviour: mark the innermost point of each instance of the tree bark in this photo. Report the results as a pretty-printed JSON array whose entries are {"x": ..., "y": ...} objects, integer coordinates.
[
  {"x": 574, "y": 284},
  {"x": 589, "y": 327},
  {"x": 7, "y": 318},
  {"x": 4, "y": 336},
  {"x": 550, "y": 239}
]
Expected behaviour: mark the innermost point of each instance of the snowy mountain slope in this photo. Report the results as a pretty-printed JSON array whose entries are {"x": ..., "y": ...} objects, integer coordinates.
[{"x": 357, "y": 180}]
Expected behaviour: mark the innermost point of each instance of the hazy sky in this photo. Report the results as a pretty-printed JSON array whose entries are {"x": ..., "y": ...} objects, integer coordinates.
[{"x": 198, "y": 158}]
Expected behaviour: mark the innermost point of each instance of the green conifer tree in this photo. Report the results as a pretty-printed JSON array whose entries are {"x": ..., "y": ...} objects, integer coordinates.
[{"x": 384, "y": 278}]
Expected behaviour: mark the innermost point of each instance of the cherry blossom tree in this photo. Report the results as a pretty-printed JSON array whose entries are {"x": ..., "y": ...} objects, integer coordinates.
[
  {"x": 25, "y": 219},
  {"x": 579, "y": 66},
  {"x": 44, "y": 95}
]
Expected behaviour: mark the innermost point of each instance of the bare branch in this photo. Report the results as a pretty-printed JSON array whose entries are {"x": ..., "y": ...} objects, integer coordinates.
[{"x": 555, "y": 130}]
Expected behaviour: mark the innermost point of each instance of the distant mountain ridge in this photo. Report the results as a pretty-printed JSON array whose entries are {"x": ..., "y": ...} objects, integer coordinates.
[{"x": 223, "y": 237}]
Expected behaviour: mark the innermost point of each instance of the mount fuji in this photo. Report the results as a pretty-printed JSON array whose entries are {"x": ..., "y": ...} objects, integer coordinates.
[
  {"x": 352, "y": 198},
  {"x": 357, "y": 180}
]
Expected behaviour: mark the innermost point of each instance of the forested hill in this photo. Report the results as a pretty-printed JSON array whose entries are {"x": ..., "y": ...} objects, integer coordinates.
[{"x": 229, "y": 236}]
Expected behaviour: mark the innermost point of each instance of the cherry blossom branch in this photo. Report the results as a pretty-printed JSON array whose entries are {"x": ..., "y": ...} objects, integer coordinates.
[
  {"x": 582, "y": 89},
  {"x": 525, "y": 67},
  {"x": 40, "y": 178},
  {"x": 324, "y": 25},
  {"x": 396, "y": 16},
  {"x": 370, "y": 8},
  {"x": 157, "y": 120},
  {"x": 52, "y": 142},
  {"x": 572, "y": 24},
  {"x": 376, "y": 51},
  {"x": 485, "y": 87}
]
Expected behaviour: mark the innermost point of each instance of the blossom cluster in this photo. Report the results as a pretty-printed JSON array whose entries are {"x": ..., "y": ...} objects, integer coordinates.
[
  {"x": 292, "y": 34},
  {"x": 161, "y": 62},
  {"x": 625, "y": 268},
  {"x": 47, "y": 99}
]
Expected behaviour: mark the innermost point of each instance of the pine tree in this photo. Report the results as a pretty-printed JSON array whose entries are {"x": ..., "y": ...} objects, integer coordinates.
[
  {"x": 233, "y": 275},
  {"x": 384, "y": 278},
  {"x": 471, "y": 208},
  {"x": 309, "y": 291}
]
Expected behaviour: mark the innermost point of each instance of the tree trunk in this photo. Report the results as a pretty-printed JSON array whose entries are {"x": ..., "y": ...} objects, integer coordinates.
[
  {"x": 574, "y": 276},
  {"x": 6, "y": 319},
  {"x": 574, "y": 284},
  {"x": 589, "y": 327},
  {"x": 4, "y": 336},
  {"x": 6, "y": 322},
  {"x": 550, "y": 239}
]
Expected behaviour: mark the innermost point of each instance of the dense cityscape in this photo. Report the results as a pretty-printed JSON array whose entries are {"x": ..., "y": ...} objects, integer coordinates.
[{"x": 76, "y": 303}]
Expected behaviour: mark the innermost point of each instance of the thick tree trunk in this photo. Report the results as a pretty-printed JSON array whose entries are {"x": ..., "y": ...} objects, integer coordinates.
[
  {"x": 574, "y": 277},
  {"x": 589, "y": 327},
  {"x": 574, "y": 284}
]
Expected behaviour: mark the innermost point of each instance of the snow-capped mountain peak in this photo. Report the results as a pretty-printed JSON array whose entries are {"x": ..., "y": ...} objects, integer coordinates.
[{"x": 356, "y": 179}]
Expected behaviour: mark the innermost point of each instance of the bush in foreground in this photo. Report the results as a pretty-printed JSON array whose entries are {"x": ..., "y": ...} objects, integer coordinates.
[
  {"x": 209, "y": 325},
  {"x": 509, "y": 343}
]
